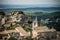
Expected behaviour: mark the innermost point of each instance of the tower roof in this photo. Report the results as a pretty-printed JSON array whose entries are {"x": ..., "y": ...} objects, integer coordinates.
[
  {"x": 36, "y": 18},
  {"x": 35, "y": 23}
]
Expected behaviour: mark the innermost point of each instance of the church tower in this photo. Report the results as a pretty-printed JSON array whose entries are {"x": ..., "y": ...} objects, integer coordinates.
[{"x": 35, "y": 23}]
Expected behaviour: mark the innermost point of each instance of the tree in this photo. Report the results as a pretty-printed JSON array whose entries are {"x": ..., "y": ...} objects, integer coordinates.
[
  {"x": 30, "y": 22},
  {"x": 19, "y": 12},
  {"x": 54, "y": 24},
  {"x": 2, "y": 13},
  {"x": 12, "y": 38},
  {"x": 27, "y": 28}
]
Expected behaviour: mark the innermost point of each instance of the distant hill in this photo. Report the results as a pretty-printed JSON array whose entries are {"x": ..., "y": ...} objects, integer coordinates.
[
  {"x": 25, "y": 7},
  {"x": 42, "y": 15}
]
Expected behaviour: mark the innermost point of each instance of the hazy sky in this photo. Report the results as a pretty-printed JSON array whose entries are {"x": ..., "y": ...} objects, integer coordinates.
[
  {"x": 19, "y": 2},
  {"x": 32, "y": 3}
]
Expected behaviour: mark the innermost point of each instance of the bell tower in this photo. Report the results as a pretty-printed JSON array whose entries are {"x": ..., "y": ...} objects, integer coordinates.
[{"x": 35, "y": 23}]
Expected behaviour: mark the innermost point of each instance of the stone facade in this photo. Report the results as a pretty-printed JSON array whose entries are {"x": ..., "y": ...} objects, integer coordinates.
[{"x": 42, "y": 32}]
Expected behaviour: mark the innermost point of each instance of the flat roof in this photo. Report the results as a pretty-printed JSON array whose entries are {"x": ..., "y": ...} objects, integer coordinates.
[{"x": 7, "y": 31}]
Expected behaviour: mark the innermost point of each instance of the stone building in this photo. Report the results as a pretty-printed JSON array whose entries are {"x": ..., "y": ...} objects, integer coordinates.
[{"x": 42, "y": 32}]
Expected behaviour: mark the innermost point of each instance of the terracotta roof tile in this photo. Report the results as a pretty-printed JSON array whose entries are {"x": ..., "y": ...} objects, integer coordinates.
[{"x": 20, "y": 29}]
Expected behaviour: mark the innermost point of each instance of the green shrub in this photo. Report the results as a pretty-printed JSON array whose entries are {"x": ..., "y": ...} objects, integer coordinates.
[{"x": 12, "y": 38}]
